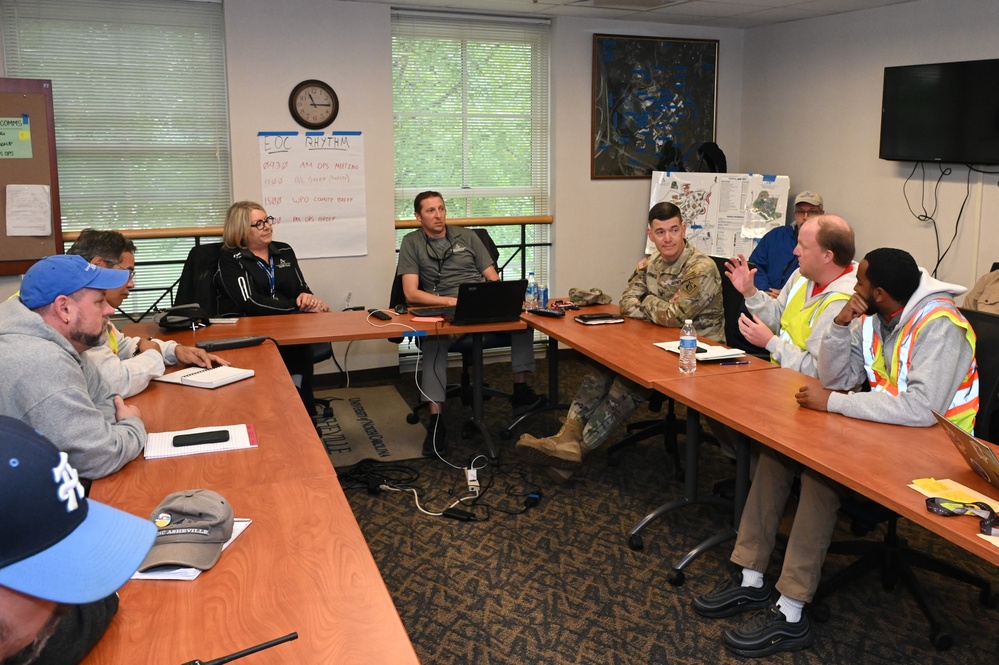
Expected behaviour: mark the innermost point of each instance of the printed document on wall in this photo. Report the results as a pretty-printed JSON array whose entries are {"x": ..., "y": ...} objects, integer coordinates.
[
  {"x": 29, "y": 210},
  {"x": 726, "y": 213},
  {"x": 313, "y": 186}
]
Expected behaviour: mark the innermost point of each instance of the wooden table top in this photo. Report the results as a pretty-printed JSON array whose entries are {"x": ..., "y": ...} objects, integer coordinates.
[
  {"x": 317, "y": 327},
  {"x": 288, "y": 447},
  {"x": 627, "y": 348},
  {"x": 874, "y": 459},
  {"x": 302, "y": 565}
]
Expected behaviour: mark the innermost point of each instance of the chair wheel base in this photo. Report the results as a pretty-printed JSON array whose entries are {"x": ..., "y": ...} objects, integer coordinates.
[
  {"x": 819, "y": 613},
  {"x": 636, "y": 543},
  {"x": 942, "y": 640},
  {"x": 412, "y": 418},
  {"x": 676, "y": 577}
]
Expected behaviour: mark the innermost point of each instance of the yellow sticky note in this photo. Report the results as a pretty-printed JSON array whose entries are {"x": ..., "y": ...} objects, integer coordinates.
[{"x": 931, "y": 485}]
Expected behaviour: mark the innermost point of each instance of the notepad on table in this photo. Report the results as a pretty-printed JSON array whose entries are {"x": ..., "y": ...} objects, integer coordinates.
[
  {"x": 160, "y": 444},
  {"x": 199, "y": 377},
  {"x": 705, "y": 351}
]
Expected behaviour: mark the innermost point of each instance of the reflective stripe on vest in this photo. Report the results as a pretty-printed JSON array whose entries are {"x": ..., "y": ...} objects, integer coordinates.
[
  {"x": 796, "y": 320},
  {"x": 892, "y": 380}
]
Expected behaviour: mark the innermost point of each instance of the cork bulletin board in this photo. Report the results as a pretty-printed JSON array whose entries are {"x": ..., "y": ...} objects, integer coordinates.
[{"x": 27, "y": 157}]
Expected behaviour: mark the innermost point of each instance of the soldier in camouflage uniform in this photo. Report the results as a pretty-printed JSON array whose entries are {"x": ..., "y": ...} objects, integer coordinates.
[{"x": 678, "y": 282}]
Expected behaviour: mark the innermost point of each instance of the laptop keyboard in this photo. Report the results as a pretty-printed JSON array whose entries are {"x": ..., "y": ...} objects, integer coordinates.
[{"x": 446, "y": 312}]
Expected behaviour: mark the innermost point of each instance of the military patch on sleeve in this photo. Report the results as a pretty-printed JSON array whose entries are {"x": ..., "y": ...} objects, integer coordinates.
[
  {"x": 641, "y": 264},
  {"x": 689, "y": 287}
]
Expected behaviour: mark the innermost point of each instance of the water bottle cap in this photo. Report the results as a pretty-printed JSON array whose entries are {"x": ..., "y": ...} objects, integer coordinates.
[{"x": 687, "y": 321}]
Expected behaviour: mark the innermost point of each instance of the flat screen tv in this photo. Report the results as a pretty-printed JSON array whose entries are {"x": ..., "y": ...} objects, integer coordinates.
[{"x": 944, "y": 112}]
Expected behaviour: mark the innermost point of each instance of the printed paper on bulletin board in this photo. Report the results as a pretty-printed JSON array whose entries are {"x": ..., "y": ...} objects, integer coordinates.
[{"x": 313, "y": 186}]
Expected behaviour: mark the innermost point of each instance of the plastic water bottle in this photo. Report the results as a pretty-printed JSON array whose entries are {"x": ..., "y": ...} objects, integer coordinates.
[
  {"x": 531, "y": 297},
  {"x": 688, "y": 348}
]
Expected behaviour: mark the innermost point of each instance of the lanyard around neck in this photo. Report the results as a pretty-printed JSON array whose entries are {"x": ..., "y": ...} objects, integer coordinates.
[{"x": 269, "y": 271}]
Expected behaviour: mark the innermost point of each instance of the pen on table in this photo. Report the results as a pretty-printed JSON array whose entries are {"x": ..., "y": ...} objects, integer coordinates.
[{"x": 736, "y": 362}]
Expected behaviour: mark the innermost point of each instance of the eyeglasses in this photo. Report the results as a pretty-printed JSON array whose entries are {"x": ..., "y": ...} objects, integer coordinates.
[
  {"x": 260, "y": 224},
  {"x": 806, "y": 213}
]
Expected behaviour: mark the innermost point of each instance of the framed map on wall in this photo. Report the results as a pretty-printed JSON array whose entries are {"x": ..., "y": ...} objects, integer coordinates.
[{"x": 653, "y": 104}]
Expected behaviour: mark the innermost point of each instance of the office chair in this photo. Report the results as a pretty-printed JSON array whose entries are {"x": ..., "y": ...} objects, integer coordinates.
[
  {"x": 734, "y": 304},
  {"x": 197, "y": 278},
  {"x": 197, "y": 285},
  {"x": 463, "y": 346},
  {"x": 892, "y": 555}
]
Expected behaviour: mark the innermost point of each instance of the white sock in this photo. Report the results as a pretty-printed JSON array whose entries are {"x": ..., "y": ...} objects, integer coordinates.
[
  {"x": 752, "y": 578},
  {"x": 791, "y": 608}
]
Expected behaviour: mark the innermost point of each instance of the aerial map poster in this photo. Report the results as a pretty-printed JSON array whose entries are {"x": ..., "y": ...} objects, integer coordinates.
[
  {"x": 726, "y": 213},
  {"x": 653, "y": 104}
]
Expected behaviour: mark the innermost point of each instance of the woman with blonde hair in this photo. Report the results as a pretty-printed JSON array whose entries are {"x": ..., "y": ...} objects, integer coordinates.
[{"x": 259, "y": 276}]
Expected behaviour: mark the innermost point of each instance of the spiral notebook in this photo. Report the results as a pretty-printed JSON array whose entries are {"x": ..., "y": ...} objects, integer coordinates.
[{"x": 199, "y": 377}]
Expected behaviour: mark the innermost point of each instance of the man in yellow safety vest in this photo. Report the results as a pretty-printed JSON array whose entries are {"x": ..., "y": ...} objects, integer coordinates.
[{"x": 791, "y": 327}]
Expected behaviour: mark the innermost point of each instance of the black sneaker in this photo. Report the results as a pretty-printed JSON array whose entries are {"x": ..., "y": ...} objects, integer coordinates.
[
  {"x": 768, "y": 632},
  {"x": 436, "y": 425},
  {"x": 524, "y": 398},
  {"x": 730, "y": 598}
]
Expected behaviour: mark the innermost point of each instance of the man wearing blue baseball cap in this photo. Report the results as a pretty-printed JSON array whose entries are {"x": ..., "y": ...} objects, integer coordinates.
[
  {"x": 49, "y": 383},
  {"x": 62, "y": 557}
]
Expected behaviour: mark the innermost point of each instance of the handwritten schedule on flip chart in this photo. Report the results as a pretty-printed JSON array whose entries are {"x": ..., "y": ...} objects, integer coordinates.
[{"x": 313, "y": 186}]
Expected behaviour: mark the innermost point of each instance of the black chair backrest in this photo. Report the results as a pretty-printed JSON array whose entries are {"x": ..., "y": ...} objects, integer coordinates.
[
  {"x": 733, "y": 304},
  {"x": 490, "y": 246},
  {"x": 197, "y": 279},
  {"x": 986, "y": 328}
]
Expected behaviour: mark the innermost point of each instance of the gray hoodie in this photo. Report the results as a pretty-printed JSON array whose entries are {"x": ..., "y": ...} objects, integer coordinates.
[
  {"x": 49, "y": 386},
  {"x": 939, "y": 359}
]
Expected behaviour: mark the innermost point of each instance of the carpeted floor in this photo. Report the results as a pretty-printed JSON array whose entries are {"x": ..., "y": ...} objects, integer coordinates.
[{"x": 558, "y": 583}]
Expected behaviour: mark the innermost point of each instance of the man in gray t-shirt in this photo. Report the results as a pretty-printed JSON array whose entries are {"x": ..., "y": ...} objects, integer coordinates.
[{"x": 433, "y": 261}]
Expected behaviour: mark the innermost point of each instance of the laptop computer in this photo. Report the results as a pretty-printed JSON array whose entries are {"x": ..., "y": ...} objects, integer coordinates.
[
  {"x": 482, "y": 302},
  {"x": 979, "y": 455}
]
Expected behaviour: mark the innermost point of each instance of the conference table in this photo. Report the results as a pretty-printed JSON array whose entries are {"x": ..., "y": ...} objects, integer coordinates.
[
  {"x": 301, "y": 566},
  {"x": 353, "y": 325},
  {"x": 876, "y": 460},
  {"x": 628, "y": 349}
]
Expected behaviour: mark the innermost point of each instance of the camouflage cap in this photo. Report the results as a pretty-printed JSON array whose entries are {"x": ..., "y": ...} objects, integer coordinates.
[{"x": 589, "y": 297}]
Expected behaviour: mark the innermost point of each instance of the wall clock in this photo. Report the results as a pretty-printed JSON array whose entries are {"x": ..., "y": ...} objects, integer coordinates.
[{"x": 313, "y": 104}]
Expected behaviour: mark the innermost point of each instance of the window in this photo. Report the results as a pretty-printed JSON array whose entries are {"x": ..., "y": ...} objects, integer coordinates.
[
  {"x": 470, "y": 102},
  {"x": 141, "y": 117}
]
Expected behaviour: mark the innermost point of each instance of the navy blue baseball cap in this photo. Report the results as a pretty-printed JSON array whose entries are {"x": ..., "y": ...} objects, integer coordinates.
[
  {"x": 64, "y": 274},
  {"x": 54, "y": 543}
]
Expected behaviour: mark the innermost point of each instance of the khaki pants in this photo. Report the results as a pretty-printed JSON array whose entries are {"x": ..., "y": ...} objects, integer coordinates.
[{"x": 811, "y": 532}]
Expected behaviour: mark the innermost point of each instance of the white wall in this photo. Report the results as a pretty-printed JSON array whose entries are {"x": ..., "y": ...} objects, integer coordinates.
[
  {"x": 272, "y": 46},
  {"x": 812, "y": 110},
  {"x": 599, "y": 230}
]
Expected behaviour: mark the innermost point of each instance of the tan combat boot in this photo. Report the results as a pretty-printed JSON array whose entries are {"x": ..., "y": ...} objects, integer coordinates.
[{"x": 562, "y": 450}]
